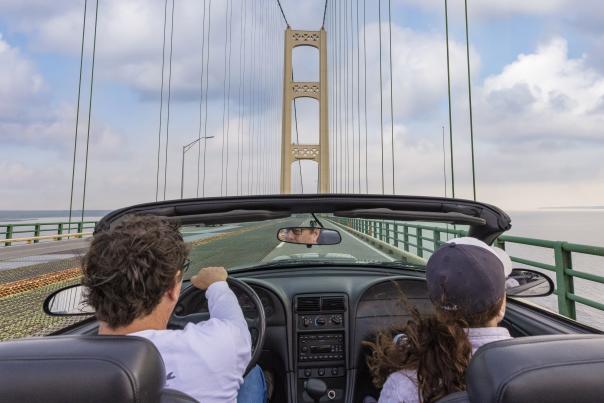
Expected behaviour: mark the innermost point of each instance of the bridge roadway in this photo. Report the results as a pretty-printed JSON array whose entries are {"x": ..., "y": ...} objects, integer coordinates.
[
  {"x": 256, "y": 243},
  {"x": 29, "y": 273}
]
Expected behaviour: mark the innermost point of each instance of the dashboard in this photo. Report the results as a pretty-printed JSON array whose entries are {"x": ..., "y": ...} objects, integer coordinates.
[{"x": 318, "y": 318}]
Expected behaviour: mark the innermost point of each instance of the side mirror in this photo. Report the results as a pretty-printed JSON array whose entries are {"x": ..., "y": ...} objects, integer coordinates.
[
  {"x": 527, "y": 283},
  {"x": 309, "y": 236},
  {"x": 68, "y": 301}
]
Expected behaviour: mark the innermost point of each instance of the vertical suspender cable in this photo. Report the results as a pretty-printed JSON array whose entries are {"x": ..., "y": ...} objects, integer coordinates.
[
  {"x": 352, "y": 114},
  {"x": 205, "y": 123},
  {"x": 391, "y": 96},
  {"x": 240, "y": 97},
  {"x": 336, "y": 93},
  {"x": 365, "y": 93},
  {"x": 297, "y": 138},
  {"x": 358, "y": 99},
  {"x": 169, "y": 98},
  {"x": 449, "y": 92},
  {"x": 96, "y": 17},
  {"x": 77, "y": 122},
  {"x": 161, "y": 99},
  {"x": 470, "y": 101},
  {"x": 444, "y": 162},
  {"x": 346, "y": 97},
  {"x": 381, "y": 90},
  {"x": 224, "y": 94},
  {"x": 201, "y": 98}
]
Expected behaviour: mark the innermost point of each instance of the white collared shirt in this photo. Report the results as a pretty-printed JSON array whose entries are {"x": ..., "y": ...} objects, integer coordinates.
[
  {"x": 207, "y": 360},
  {"x": 401, "y": 386}
]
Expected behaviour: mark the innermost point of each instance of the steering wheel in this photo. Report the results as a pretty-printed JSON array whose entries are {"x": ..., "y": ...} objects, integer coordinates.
[{"x": 257, "y": 326}]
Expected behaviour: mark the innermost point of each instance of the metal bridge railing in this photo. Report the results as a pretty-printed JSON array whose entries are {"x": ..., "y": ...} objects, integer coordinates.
[
  {"x": 36, "y": 231},
  {"x": 424, "y": 239}
]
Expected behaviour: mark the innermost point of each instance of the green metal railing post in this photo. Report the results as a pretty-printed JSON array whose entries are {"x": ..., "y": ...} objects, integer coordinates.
[
  {"x": 436, "y": 240},
  {"x": 406, "y": 238},
  {"x": 80, "y": 228},
  {"x": 564, "y": 282},
  {"x": 395, "y": 235},
  {"x": 381, "y": 233},
  {"x": 500, "y": 243},
  {"x": 420, "y": 242},
  {"x": 36, "y": 232},
  {"x": 60, "y": 229},
  {"x": 9, "y": 234}
]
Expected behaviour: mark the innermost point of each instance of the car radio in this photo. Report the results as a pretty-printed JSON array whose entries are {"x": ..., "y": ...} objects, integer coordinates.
[{"x": 321, "y": 347}]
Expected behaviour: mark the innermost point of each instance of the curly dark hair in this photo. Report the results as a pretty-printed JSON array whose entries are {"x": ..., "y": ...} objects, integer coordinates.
[
  {"x": 436, "y": 346},
  {"x": 129, "y": 267}
]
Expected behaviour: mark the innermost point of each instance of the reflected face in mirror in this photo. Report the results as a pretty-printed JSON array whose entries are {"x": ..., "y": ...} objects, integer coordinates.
[
  {"x": 528, "y": 283},
  {"x": 309, "y": 236}
]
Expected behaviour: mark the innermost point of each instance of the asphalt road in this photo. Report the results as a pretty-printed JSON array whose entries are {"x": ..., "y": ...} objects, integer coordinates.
[{"x": 256, "y": 243}]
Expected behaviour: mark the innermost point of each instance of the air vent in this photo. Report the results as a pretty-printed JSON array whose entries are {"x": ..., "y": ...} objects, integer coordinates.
[
  {"x": 332, "y": 304},
  {"x": 308, "y": 304}
]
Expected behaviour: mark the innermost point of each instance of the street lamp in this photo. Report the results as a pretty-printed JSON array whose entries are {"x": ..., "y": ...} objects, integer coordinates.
[{"x": 186, "y": 148}]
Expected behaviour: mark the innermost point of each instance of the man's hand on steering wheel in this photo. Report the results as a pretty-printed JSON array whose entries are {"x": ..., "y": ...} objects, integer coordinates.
[{"x": 208, "y": 276}]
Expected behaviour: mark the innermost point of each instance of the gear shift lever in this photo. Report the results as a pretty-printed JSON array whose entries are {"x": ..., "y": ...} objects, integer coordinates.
[{"x": 315, "y": 388}]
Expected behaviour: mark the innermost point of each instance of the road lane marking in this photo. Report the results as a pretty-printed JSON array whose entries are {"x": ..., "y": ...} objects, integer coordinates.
[{"x": 281, "y": 244}]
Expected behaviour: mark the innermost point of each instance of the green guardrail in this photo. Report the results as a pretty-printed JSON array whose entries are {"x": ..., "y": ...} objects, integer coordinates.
[
  {"x": 11, "y": 231},
  {"x": 424, "y": 239}
]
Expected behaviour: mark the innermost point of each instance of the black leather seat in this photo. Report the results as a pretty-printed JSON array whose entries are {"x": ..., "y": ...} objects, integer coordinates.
[
  {"x": 84, "y": 369},
  {"x": 553, "y": 369}
]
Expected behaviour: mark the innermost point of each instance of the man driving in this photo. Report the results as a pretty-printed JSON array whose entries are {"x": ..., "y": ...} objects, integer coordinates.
[{"x": 134, "y": 273}]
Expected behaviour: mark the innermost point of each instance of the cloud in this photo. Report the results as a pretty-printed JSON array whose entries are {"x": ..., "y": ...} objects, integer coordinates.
[
  {"x": 543, "y": 97},
  {"x": 496, "y": 9}
]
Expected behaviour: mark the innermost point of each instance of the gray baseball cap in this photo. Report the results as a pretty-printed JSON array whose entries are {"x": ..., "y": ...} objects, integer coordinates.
[{"x": 465, "y": 276}]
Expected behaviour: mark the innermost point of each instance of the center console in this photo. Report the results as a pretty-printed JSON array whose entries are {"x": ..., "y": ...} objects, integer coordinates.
[{"x": 320, "y": 343}]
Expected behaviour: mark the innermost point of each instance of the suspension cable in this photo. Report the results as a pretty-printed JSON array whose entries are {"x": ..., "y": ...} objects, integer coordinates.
[
  {"x": 381, "y": 90},
  {"x": 169, "y": 98},
  {"x": 358, "y": 98},
  {"x": 205, "y": 141},
  {"x": 242, "y": 23},
  {"x": 391, "y": 96},
  {"x": 365, "y": 94},
  {"x": 224, "y": 96},
  {"x": 283, "y": 14},
  {"x": 449, "y": 92},
  {"x": 77, "y": 122},
  {"x": 352, "y": 114},
  {"x": 161, "y": 99},
  {"x": 96, "y": 16},
  {"x": 201, "y": 97},
  {"x": 324, "y": 15},
  {"x": 470, "y": 102}
]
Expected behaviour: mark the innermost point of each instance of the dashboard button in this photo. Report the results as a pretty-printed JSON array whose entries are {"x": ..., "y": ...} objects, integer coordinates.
[
  {"x": 334, "y": 371},
  {"x": 307, "y": 372},
  {"x": 321, "y": 371}
]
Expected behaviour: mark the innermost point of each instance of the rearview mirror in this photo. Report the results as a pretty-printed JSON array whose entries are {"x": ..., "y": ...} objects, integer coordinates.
[
  {"x": 68, "y": 301},
  {"x": 527, "y": 283},
  {"x": 309, "y": 236}
]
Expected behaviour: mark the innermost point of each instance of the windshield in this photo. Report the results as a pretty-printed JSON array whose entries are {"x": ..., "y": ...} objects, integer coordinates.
[{"x": 363, "y": 242}]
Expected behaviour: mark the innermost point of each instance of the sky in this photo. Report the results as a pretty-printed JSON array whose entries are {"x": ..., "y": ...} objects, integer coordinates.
[{"x": 537, "y": 76}]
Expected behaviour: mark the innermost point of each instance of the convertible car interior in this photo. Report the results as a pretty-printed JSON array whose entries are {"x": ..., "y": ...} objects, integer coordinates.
[{"x": 309, "y": 310}]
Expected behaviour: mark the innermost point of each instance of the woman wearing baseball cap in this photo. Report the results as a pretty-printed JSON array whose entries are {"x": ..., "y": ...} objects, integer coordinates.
[{"x": 466, "y": 284}]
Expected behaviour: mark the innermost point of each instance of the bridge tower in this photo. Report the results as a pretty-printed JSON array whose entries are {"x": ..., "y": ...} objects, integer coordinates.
[{"x": 297, "y": 89}]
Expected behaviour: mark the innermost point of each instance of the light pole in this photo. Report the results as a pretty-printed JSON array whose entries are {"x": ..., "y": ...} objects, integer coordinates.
[{"x": 186, "y": 148}]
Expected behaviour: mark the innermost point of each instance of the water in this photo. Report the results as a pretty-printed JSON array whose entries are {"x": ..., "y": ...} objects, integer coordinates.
[
  {"x": 37, "y": 216},
  {"x": 585, "y": 226}
]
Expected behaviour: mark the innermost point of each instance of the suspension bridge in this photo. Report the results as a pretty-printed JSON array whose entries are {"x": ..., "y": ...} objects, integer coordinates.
[{"x": 258, "y": 147}]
